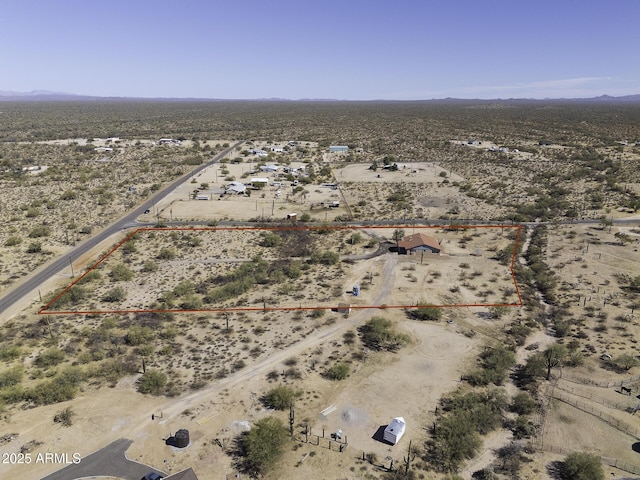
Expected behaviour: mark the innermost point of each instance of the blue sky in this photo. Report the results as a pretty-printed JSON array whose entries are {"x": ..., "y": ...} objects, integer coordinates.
[{"x": 343, "y": 49}]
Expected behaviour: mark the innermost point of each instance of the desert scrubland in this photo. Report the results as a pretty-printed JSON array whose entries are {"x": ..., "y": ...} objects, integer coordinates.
[{"x": 223, "y": 312}]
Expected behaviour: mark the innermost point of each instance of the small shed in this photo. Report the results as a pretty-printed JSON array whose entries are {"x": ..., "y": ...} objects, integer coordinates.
[
  {"x": 292, "y": 217},
  {"x": 394, "y": 431}
]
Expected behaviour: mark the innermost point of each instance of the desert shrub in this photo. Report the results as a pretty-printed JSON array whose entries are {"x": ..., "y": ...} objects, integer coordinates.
[
  {"x": 71, "y": 375},
  {"x": 13, "y": 394},
  {"x": 523, "y": 428},
  {"x": 69, "y": 195},
  {"x": 425, "y": 312},
  {"x": 519, "y": 332},
  {"x": 495, "y": 365},
  {"x": 39, "y": 231},
  {"x": 191, "y": 302},
  {"x": 625, "y": 362},
  {"x": 270, "y": 239},
  {"x": 138, "y": 335},
  {"x": 581, "y": 466},
  {"x": 339, "y": 371},
  {"x": 167, "y": 253},
  {"x": 90, "y": 277},
  {"x": 263, "y": 445},
  {"x": 152, "y": 381},
  {"x": 280, "y": 397},
  {"x": 51, "y": 356},
  {"x": 34, "y": 247},
  {"x": 11, "y": 377},
  {"x": 511, "y": 457},
  {"x": 150, "y": 266},
  {"x": 12, "y": 241},
  {"x": 522, "y": 404},
  {"x": 9, "y": 352},
  {"x": 326, "y": 257},
  {"x": 64, "y": 417},
  {"x": 185, "y": 287},
  {"x": 117, "y": 294},
  {"x": 378, "y": 334},
  {"x": 120, "y": 273},
  {"x": 561, "y": 327},
  {"x": 60, "y": 388},
  {"x": 454, "y": 441},
  {"x": 486, "y": 406},
  {"x": 73, "y": 296}
]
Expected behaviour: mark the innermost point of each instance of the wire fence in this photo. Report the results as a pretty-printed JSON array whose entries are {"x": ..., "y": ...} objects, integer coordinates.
[
  {"x": 587, "y": 408},
  {"x": 612, "y": 462},
  {"x": 624, "y": 406},
  {"x": 602, "y": 384}
]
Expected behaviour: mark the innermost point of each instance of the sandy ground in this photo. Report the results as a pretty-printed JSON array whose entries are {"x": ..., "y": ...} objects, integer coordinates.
[
  {"x": 382, "y": 387},
  {"x": 364, "y": 403}
]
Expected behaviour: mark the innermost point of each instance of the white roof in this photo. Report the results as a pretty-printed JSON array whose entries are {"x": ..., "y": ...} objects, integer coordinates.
[
  {"x": 259, "y": 180},
  {"x": 395, "y": 430}
]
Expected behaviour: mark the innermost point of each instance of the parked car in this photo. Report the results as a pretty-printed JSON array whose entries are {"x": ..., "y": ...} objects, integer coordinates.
[{"x": 152, "y": 476}]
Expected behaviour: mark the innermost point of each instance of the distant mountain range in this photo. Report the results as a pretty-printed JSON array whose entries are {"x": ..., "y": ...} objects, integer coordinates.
[{"x": 47, "y": 95}]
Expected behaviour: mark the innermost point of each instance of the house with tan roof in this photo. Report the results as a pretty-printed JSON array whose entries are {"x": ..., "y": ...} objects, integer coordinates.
[
  {"x": 187, "y": 474},
  {"x": 418, "y": 242}
]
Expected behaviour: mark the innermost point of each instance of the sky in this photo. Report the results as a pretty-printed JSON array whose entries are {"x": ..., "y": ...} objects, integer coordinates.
[{"x": 322, "y": 49}]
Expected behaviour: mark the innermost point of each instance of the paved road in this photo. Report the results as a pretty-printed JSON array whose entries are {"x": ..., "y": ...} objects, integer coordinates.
[
  {"x": 125, "y": 222},
  {"x": 110, "y": 461}
]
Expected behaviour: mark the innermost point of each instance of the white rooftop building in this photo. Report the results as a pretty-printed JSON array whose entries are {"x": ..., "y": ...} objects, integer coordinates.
[{"x": 394, "y": 431}]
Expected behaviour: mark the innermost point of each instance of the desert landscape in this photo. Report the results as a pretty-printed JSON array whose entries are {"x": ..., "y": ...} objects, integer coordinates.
[{"x": 274, "y": 303}]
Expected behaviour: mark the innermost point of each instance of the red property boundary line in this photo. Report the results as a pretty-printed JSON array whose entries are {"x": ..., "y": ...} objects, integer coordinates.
[{"x": 45, "y": 310}]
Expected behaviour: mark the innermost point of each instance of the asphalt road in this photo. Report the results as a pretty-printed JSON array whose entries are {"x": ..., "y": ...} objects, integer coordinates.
[
  {"x": 110, "y": 461},
  {"x": 128, "y": 221}
]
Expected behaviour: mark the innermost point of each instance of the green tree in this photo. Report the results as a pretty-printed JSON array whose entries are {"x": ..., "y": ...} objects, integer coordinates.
[
  {"x": 582, "y": 466},
  {"x": 522, "y": 404},
  {"x": 553, "y": 356},
  {"x": 152, "y": 381},
  {"x": 625, "y": 361},
  {"x": 280, "y": 397},
  {"x": 398, "y": 234},
  {"x": 264, "y": 444},
  {"x": 454, "y": 441}
]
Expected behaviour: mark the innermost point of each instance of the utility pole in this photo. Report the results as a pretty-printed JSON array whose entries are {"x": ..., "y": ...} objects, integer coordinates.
[{"x": 71, "y": 265}]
